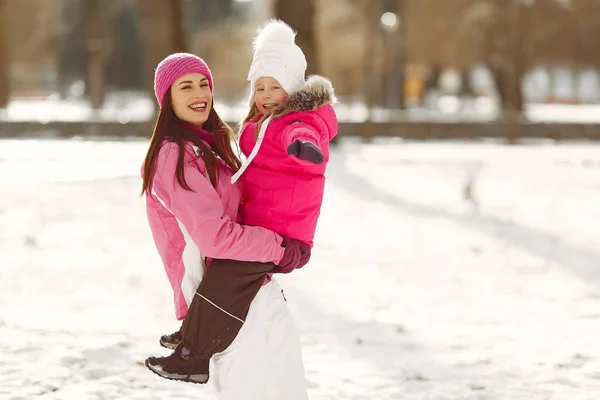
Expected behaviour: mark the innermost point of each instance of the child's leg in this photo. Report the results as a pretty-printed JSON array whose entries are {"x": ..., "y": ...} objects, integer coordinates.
[
  {"x": 216, "y": 315},
  {"x": 221, "y": 305}
]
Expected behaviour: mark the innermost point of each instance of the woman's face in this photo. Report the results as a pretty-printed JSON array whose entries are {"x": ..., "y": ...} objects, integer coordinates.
[
  {"x": 192, "y": 98},
  {"x": 268, "y": 95}
]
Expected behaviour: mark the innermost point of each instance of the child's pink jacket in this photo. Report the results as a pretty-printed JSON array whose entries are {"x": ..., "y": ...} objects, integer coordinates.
[{"x": 284, "y": 193}]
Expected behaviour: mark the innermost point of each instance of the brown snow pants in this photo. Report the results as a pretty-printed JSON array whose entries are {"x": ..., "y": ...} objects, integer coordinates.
[{"x": 221, "y": 304}]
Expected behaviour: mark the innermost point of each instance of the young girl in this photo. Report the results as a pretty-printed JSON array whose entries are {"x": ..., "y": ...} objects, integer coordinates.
[{"x": 286, "y": 139}]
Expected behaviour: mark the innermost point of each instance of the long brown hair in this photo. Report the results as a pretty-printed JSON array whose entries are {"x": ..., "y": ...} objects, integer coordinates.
[
  {"x": 252, "y": 113},
  {"x": 169, "y": 126}
]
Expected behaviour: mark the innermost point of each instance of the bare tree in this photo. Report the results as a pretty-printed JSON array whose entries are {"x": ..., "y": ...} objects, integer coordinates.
[
  {"x": 508, "y": 36},
  {"x": 98, "y": 48},
  {"x": 373, "y": 80},
  {"x": 205, "y": 14},
  {"x": 125, "y": 66},
  {"x": 493, "y": 32},
  {"x": 506, "y": 57},
  {"x": 585, "y": 16},
  {"x": 163, "y": 32},
  {"x": 397, "y": 58},
  {"x": 300, "y": 15},
  {"x": 178, "y": 25},
  {"x": 71, "y": 54},
  {"x": 4, "y": 56}
]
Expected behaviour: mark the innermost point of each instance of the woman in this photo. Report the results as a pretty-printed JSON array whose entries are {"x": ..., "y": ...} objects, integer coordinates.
[
  {"x": 285, "y": 138},
  {"x": 192, "y": 209}
]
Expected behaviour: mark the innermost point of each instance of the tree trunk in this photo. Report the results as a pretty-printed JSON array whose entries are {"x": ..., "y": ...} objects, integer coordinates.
[
  {"x": 400, "y": 53},
  {"x": 163, "y": 33},
  {"x": 205, "y": 14},
  {"x": 465, "y": 78},
  {"x": 178, "y": 26},
  {"x": 72, "y": 54},
  {"x": 507, "y": 62},
  {"x": 4, "y": 56},
  {"x": 373, "y": 80},
  {"x": 519, "y": 67},
  {"x": 300, "y": 15},
  {"x": 98, "y": 48},
  {"x": 125, "y": 66},
  {"x": 508, "y": 87}
]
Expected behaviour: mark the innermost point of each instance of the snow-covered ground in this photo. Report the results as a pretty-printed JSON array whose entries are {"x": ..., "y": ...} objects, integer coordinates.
[{"x": 442, "y": 270}]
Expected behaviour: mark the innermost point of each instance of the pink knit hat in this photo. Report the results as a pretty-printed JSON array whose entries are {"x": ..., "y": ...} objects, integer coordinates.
[{"x": 174, "y": 67}]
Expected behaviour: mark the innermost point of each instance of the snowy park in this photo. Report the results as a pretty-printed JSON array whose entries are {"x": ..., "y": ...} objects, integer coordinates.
[
  {"x": 457, "y": 253},
  {"x": 441, "y": 270}
]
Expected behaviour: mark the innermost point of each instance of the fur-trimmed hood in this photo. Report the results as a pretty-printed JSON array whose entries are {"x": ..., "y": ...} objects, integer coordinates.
[
  {"x": 316, "y": 92},
  {"x": 311, "y": 105}
]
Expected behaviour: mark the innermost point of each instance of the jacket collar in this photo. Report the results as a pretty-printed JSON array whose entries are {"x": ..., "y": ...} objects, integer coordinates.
[
  {"x": 316, "y": 92},
  {"x": 206, "y": 136}
]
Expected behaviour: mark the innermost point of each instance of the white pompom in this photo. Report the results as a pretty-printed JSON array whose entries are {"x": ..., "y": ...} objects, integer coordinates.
[{"x": 274, "y": 31}]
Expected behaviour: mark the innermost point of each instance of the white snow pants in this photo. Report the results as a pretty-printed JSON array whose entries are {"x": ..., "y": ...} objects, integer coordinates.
[{"x": 264, "y": 362}]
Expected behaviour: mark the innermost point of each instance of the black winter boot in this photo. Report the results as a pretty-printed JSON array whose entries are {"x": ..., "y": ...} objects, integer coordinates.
[{"x": 180, "y": 366}]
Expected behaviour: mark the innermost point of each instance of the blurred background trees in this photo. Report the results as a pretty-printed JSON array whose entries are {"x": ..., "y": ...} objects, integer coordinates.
[
  {"x": 301, "y": 15},
  {"x": 382, "y": 53},
  {"x": 4, "y": 55}
]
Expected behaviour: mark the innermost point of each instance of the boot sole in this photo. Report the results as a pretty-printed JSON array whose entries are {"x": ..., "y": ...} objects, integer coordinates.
[{"x": 197, "y": 379}]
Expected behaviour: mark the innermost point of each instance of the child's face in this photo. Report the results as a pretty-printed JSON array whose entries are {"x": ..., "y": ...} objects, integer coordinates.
[
  {"x": 192, "y": 99},
  {"x": 268, "y": 95}
]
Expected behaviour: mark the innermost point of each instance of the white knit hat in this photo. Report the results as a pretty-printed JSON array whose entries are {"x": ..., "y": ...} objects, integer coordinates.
[{"x": 277, "y": 56}]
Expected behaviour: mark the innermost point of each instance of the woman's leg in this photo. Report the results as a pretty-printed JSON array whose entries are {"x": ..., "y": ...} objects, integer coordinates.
[
  {"x": 241, "y": 371},
  {"x": 286, "y": 367},
  {"x": 264, "y": 362}
]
